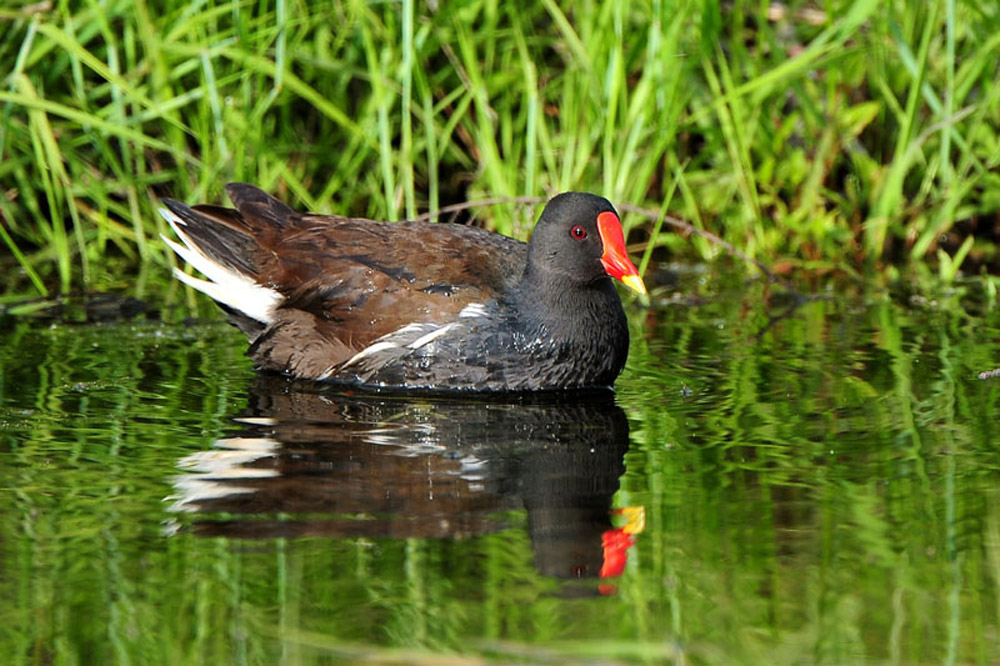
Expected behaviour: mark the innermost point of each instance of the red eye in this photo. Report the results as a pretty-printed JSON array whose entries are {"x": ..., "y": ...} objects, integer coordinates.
[{"x": 578, "y": 232}]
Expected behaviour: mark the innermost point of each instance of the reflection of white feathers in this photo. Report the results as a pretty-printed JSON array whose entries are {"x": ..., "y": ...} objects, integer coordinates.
[
  {"x": 216, "y": 474},
  {"x": 212, "y": 473},
  {"x": 423, "y": 439},
  {"x": 413, "y": 440},
  {"x": 473, "y": 468}
]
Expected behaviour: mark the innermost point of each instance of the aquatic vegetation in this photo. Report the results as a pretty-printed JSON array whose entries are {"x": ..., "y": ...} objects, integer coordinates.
[{"x": 816, "y": 140}]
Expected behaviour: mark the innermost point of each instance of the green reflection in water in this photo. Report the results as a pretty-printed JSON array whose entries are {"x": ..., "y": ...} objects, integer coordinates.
[
  {"x": 819, "y": 487},
  {"x": 828, "y": 491}
]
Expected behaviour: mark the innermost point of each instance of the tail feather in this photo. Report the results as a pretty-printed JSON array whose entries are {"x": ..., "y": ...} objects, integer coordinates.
[
  {"x": 221, "y": 252},
  {"x": 256, "y": 204},
  {"x": 217, "y": 232}
]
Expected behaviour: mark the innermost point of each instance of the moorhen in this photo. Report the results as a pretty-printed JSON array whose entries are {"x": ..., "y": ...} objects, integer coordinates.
[{"x": 416, "y": 304}]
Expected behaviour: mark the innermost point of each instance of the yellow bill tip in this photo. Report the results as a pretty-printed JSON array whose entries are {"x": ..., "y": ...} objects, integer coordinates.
[{"x": 634, "y": 282}]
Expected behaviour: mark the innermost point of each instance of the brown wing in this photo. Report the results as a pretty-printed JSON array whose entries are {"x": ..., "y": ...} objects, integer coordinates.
[{"x": 347, "y": 282}]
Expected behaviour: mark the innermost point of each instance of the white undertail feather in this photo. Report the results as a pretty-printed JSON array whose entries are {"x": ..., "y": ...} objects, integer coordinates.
[{"x": 223, "y": 285}]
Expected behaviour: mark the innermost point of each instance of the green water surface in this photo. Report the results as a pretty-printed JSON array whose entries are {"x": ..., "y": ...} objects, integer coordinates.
[{"x": 780, "y": 481}]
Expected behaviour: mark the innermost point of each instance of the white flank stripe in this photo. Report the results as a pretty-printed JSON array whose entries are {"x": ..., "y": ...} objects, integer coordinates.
[
  {"x": 395, "y": 340},
  {"x": 406, "y": 330},
  {"x": 430, "y": 337},
  {"x": 472, "y": 310},
  {"x": 224, "y": 285},
  {"x": 368, "y": 351}
]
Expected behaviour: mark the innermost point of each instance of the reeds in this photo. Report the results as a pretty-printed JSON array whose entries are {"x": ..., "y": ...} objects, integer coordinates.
[{"x": 846, "y": 136}]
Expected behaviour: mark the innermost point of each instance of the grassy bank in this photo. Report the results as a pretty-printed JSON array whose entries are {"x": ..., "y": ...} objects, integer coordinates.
[{"x": 841, "y": 136}]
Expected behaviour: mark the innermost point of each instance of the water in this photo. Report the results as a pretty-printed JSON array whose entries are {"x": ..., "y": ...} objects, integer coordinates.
[{"x": 775, "y": 481}]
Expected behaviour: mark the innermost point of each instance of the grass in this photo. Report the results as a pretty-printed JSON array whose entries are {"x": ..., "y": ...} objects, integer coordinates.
[{"x": 846, "y": 136}]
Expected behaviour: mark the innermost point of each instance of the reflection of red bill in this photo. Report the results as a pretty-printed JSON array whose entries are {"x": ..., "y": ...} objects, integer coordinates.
[{"x": 616, "y": 543}]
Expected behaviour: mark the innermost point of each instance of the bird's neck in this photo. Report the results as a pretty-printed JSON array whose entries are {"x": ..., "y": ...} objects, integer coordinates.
[{"x": 572, "y": 309}]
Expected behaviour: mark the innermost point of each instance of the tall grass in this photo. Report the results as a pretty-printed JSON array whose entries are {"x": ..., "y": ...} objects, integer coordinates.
[{"x": 846, "y": 136}]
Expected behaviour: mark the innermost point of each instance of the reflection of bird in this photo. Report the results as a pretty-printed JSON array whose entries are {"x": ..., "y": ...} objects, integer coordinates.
[
  {"x": 416, "y": 304},
  {"x": 387, "y": 466}
]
